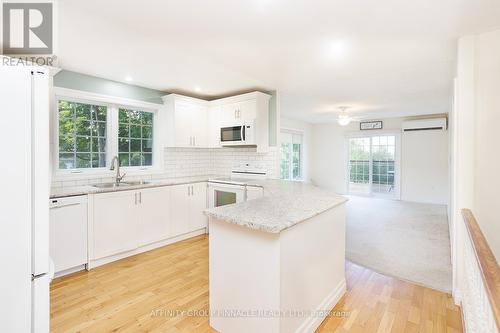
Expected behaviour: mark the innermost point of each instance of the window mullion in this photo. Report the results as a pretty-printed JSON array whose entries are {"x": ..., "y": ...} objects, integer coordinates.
[{"x": 112, "y": 134}]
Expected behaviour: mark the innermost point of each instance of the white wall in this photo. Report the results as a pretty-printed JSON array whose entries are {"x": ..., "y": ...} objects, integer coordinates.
[
  {"x": 475, "y": 161},
  {"x": 328, "y": 157},
  {"x": 487, "y": 139},
  {"x": 306, "y": 130},
  {"x": 329, "y": 152},
  {"x": 419, "y": 182},
  {"x": 424, "y": 165}
]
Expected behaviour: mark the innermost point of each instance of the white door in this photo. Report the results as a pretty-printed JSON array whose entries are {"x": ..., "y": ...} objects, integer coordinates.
[
  {"x": 199, "y": 126},
  {"x": 153, "y": 222},
  {"x": 183, "y": 119},
  {"x": 197, "y": 204},
  {"x": 213, "y": 131},
  {"x": 373, "y": 166},
  {"x": 114, "y": 223},
  {"x": 229, "y": 114},
  {"x": 179, "y": 212},
  {"x": 247, "y": 110}
]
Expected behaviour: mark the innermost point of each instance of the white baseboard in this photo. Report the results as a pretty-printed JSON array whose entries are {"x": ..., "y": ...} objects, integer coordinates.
[
  {"x": 312, "y": 323},
  {"x": 102, "y": 261},
  {"x": 69, "y": 271}
]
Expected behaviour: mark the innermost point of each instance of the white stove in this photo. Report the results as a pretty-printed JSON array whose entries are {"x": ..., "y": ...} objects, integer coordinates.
[{"x": 229, "y": 190}]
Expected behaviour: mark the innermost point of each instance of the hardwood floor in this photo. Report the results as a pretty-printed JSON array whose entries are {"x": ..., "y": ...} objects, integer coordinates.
[{"x": 145, "y": 293}]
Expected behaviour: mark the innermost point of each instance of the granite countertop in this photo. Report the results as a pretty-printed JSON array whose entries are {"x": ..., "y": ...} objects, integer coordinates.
[
  {"x": 58, "y": 192},
  {"x": 285, "y": 203}
]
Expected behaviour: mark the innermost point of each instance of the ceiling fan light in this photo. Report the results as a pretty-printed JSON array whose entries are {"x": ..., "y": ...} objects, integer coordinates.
[{"x": 344, "y": 120}]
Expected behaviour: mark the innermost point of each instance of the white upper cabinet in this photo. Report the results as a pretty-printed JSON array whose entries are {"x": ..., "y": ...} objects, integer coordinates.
[
  {"x": 213, "y": 132},
  {"x": 238, "y": 112},
  {"x": 186, "y": 122},
  {"x": 192, "y": 122}
]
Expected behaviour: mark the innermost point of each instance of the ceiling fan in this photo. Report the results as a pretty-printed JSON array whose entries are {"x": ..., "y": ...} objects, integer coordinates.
[{"x": 344, "y": 118}]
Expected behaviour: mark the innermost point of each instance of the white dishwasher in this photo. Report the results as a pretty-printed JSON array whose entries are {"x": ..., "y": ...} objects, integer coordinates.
[{"x": 68, "y": 234}]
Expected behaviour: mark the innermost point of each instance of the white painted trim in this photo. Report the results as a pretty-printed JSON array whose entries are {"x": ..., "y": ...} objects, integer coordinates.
[
  {"x": 313, "y": 322},
  {"x": 70, "y": 271},
  {"x": 99, "y": 262}
]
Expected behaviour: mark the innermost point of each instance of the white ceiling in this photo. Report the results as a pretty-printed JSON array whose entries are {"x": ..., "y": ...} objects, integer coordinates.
[{"x": 384, "y": 58}]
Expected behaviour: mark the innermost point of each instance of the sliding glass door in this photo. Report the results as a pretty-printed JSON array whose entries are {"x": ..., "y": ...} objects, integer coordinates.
[{"x": 372, "y": 166}]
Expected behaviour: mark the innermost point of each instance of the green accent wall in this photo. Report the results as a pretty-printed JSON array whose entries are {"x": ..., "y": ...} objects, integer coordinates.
[{"x": 78, "y": 81}]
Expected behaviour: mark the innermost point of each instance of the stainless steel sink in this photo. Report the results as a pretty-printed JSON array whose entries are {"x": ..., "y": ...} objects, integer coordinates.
[
  {"x": 120, "y": 184},
  {"x": 140, "y": 182}
]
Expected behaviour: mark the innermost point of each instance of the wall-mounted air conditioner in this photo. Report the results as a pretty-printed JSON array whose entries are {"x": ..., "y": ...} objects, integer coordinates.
[{"x": 424, "y": 124}]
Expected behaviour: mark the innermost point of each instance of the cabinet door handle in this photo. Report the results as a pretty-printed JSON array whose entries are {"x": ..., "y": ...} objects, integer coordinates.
[
  {"x": 135, "y": 197},
  {"x": 140, "y": 197},
  {"x": 188, "y": 191},
  {"x": 194, "y": 141}
]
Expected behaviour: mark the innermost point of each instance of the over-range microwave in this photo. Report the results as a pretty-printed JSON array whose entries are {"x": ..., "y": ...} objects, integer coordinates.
[{"x": 242, "y": 134}]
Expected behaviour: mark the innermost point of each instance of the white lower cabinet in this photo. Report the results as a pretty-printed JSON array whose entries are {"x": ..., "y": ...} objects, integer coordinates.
[
  {"x": 153, "y": 215},
  {"x": 114, "y": 223},
  {"x": 197, "y": 204},
  {"x": 188, "y": 203},
  {"x": 125, "y": 221},
  {"x": 179, "y": 214}
]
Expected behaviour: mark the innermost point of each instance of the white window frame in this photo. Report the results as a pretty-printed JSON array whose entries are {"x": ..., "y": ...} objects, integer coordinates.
[
  {"x": 301, "y": 164},
  {"x": 113, "y": 104},
  {"x": 397, "y": 161}
]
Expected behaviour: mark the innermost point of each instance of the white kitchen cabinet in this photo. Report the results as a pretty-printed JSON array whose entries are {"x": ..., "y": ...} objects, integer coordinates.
[
  {"x": 68, "y": 232},
  {"x": 195, "y": 123},
  {"x": 197, "y": 204},
  {"x": 237, "y": 112},
  {"x": 188, "y": 203},
  {"x": 179, "y": 214},
  {"x": 114, "y": 223},
  {"x": 186, "y": 122},
  {"x": 247, "y": 110},
  {"x": 254, "y": 192},
  {"x": 153, "y": 223},
  {"x": 213, "y": 128}
]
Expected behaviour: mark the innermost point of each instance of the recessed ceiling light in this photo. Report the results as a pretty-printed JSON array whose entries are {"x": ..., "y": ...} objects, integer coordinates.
[
  {"x": 197, "y": 89},
  {"x": 128, "y": 78}
]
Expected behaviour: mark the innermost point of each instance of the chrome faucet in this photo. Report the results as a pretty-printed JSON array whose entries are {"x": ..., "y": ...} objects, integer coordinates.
[{"x": 118, "y": 177}]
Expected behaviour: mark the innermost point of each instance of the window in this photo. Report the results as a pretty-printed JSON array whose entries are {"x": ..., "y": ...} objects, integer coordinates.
[
  {"x": 372, "y": 165},
  {"x": 93, "y": 128},
  {"x": 82, "y": 135},
  {"x": 291, "y": 156},
  {"x": 135, "y": 137}
]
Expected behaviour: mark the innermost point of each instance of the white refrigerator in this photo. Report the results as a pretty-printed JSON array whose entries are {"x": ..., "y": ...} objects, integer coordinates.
[{"x": 25, "y": 272}]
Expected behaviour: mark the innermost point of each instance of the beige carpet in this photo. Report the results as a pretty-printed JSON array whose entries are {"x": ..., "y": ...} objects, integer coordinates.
[{"x": 403, "y": 239}]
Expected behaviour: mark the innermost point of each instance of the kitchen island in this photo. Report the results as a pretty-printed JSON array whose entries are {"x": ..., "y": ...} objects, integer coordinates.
[{"x": 276, "y": 264}]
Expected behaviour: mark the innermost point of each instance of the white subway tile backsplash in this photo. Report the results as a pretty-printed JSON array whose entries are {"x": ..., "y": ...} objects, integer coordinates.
[{"x": 186, "y": 162}]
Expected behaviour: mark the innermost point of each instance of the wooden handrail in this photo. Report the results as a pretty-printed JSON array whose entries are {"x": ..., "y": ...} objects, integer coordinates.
[{"x": 488, "y": 265}]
